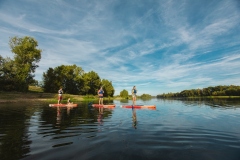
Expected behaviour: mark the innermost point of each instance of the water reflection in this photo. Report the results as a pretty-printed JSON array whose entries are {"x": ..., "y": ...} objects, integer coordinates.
[
  {"x": 124, "y": 100},
  {"x": 212, "y": 102},
  {"x": 134, "y": 118},
  {"x": 100, "y": 115},
  {"x": 37, "y": 131},
  {"x": 59, "y": 116}
]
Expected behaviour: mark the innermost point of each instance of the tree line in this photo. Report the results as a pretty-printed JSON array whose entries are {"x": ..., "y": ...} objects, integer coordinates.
[
  {"x": 221, "y": 90},
  {"x": 124, "y": 94},
  {"x": 18, "y": 73},
  {"x": 74, "y": 80}
]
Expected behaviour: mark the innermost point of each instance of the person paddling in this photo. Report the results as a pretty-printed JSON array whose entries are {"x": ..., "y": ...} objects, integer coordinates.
[
  {"x": 134, "y": 95},
  {"x": 100, "y": 95},
  {"x": 60, "y": 92}
]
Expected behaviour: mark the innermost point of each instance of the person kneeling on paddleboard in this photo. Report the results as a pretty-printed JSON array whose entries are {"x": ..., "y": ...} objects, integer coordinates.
[{"x": 69, "y": 101}]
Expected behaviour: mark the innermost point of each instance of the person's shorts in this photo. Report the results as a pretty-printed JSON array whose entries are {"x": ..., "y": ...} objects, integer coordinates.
[
  {"x": 100, "y": 96},
  {"x": 133, "y": 95},
  {"x": 59, "y": 97}
]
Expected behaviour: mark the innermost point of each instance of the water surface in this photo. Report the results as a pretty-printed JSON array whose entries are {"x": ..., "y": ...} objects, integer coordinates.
[{"x": 177, "y": 129}]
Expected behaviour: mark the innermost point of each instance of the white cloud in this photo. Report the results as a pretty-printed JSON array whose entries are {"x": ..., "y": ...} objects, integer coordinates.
[{"x": 172, "y": 44}]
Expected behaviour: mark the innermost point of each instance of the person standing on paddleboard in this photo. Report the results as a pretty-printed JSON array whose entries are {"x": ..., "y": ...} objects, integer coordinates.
[
  {"x": 60, "y": 92},
  {"x": 134, "y": 95},
  {"x": 100, "y": 95}
]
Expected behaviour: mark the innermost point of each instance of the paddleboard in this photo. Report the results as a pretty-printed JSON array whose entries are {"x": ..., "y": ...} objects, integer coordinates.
[
  {"x": 104, "y": 106},
  {"x": 153, "y": 107},
  {"x": 62, "y": 105}
]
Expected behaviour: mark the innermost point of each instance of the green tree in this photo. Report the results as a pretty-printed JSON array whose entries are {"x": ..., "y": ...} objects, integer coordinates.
[
  {"x": 50, "y": 81},
  {"x": 124, "y": 94},
  {"x": 8, "y": 81},
  {"x": 69, "y": 77},
  {"x": 108, "y": 88},
  {"x": 26, "y": 57},
  {"x": 92, "y": 83},
  {"x": 74, "y": 80},
  {"x": 146, "y": 96}
]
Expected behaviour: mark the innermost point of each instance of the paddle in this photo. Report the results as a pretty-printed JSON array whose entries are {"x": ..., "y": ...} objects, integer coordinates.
[{"x": 90, "y": 104}]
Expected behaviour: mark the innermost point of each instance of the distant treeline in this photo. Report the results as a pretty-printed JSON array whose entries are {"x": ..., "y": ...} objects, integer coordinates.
[
  {"x": 124, "y": 94},
  {"x": 225, "y": 90}
]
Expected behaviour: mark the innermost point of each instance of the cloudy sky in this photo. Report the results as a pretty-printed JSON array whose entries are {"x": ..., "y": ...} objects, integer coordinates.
[{"x": 160, "y": 46}]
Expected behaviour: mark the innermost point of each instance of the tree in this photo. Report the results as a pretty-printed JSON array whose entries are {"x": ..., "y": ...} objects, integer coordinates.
[
  {"x": 8, "y": 81},
  {"x": 146, "y": 96},
  {"x": 209, "y": 91},
  {"x": 92, "y": 83},
  {"x": 108, "y": 88},
  {"x": 69, "y": 77},
  {"x": 25, "y": 60},
  {"x": 124, "y": 94},
  {"x": 73, "y": 80},
  {"x": 50, "y": 81}
]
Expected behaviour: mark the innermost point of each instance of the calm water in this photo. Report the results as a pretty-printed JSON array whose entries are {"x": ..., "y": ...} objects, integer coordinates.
[{"x": 177, "y": 129}]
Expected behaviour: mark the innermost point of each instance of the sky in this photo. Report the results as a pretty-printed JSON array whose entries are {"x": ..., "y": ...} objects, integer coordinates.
[{"x": 159, "y": 46}]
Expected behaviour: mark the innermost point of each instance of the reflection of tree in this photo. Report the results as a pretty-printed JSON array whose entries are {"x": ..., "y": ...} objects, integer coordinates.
[
  {"x": 14, "y": 123},
  {"x": 212, "y": 102},
  {"x": 14, "y": 142},
  {"x": 146, "y": 99},
  {"x": 77, "y": 116},
  {"x": 124, "y": 100}
]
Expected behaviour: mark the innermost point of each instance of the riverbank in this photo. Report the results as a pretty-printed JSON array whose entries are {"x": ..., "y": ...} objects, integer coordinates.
[
  {"x": 31, "y": 96},
  {"x": 15, "y": 97}
]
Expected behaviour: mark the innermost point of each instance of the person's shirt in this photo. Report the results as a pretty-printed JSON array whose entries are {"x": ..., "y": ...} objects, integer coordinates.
[
  {"x": 134, "y": 91},
  {"x": 60, "y": 92},
  {"x": 100, "y": 92}
]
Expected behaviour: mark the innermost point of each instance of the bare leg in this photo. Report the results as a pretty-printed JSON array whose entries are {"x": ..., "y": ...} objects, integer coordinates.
[{"x": 134, "y": 100}]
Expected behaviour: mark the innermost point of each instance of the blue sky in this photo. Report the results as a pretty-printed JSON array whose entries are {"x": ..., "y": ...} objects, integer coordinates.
[{"x": 160, "y": 46}]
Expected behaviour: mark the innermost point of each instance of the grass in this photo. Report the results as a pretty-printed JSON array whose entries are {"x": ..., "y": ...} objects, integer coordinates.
[
  {"x": 35, "y": 89},
  {"x": 36, "y": 94}
]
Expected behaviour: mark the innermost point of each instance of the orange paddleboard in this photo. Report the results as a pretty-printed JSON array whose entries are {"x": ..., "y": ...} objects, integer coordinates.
[
  {"x": 62, "y": 105},
  {"x": 104, "y": 106},
  {"x": 153, "y": 107}
]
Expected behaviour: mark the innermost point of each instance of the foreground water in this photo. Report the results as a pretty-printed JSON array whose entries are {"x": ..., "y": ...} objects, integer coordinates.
[{"x": 177, "y": 129}]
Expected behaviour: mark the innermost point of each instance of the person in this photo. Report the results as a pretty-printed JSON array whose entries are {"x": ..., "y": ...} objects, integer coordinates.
[
  {"x": 100, "y": 95},
  {"x": 134, "y": 95},
  {"x": 60, "y": 92},
  {"x": 69, "y": 101}
]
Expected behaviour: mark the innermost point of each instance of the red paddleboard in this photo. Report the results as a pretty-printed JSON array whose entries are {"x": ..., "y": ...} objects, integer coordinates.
[
  {"x": 62, "y": 105},
  {"x": 153, "y": 107},
  {"x": 104, "y": 106}
]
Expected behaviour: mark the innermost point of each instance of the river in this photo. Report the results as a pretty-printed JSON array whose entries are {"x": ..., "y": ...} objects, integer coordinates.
[{"x": 177, "y": 129}]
